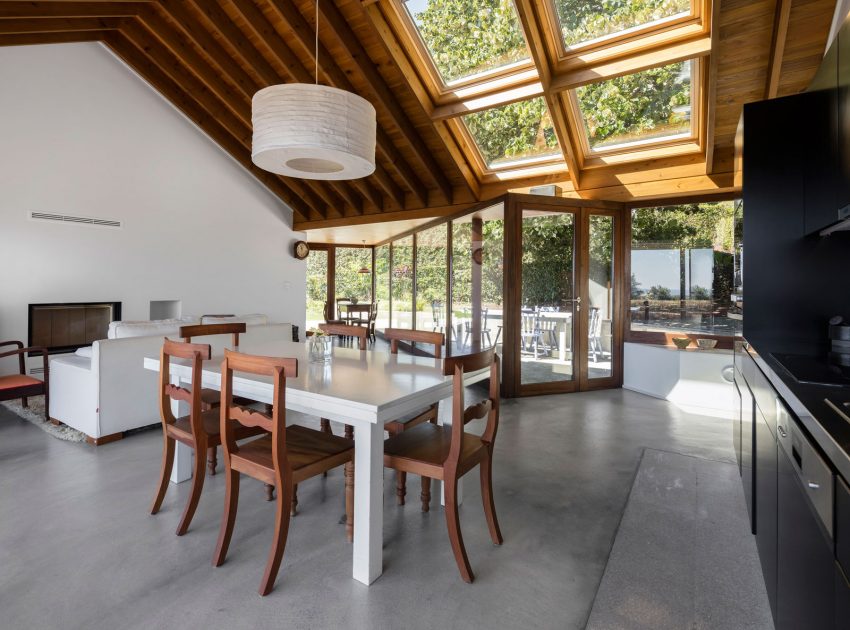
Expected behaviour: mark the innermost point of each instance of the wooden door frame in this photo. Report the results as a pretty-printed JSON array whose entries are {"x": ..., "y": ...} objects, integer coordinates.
[{"x": 582, "y": 210}]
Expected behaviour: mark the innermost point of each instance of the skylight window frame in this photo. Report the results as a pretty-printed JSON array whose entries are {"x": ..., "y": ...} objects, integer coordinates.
[
  {"x": 625, "y": 44},
  {"x": 442, "y": 92},
  {"x": 650, "y": 148},
  {"x": 522, "y": 167}
]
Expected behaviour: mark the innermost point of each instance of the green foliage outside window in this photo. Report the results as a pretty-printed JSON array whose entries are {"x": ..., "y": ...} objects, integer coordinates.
[{"x": 585, "y": 20}]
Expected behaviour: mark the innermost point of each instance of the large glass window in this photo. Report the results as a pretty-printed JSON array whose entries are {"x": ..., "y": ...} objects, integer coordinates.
[
  {"x": 402, "y": 283},
  {"x": 477, "y": 279},
  {"x": 683, "y": 264},
  {"x": 514, "y": 134},
  {"x": 470, "y": 38},
  {"x": 382, "y": 286},
  {"x": 647, "y": 106},
  {"x": 584, "y": 21},
  {"x": 317, "y": 286},
  {"x": 431, "y": 279}
]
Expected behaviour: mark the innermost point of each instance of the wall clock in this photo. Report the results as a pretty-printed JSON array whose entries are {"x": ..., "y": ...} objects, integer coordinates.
[{"x": 301, "y": 250}]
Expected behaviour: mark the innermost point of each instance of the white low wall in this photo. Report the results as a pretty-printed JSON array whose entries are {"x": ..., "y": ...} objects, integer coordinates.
[{"x": 693, "y": 379}]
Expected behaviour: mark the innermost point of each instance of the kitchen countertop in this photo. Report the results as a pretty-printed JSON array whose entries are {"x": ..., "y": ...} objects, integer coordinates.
[{"x": 827, "y": 428}]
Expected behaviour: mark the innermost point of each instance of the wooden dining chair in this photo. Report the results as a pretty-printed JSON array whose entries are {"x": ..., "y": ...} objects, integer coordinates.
[
  {"x": 283, "y": 458},
  {"x": 211, "y": 398},
  {"x": 346, "y": 330},
  {"x": 200, "y": 429},
  {"x": 449, "y": 452},
  {"x": 394, "y": 335},
  {"x": 330, "y": 316},
  {"x": 21, "y": 385}
]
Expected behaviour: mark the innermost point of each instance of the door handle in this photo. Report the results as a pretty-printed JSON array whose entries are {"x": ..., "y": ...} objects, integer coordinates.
[
  {"x": 781, "y": 431},
  {"x": 814, "y": 486}
]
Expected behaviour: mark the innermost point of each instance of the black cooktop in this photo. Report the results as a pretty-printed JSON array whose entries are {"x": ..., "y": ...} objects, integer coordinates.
[{"x": 814, "y": 370}]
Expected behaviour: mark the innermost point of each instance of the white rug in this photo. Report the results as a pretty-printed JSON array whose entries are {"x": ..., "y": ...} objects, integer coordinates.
[{"x": 35, "y": 414}]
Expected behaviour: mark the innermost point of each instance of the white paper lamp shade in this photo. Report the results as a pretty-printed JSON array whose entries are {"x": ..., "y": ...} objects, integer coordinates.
[{"x": 313, "y": 132}]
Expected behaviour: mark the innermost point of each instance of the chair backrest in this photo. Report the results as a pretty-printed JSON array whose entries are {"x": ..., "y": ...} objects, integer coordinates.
[
  {"x": 595, "y": 320},
  {"x": 421, "y": 336},
  {"x": 347, "y": 330},
  {"x": 461, "y": 415},
  {"x": 201, "y": 330},
  {"x": 373, "y": 312},
  {"x": 279, "y": 369},
  {"x": 529, "y": 323},
  {"x": 197, "y": 353}
]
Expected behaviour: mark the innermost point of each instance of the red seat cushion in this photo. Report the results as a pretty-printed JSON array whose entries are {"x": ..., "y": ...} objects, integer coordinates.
[{"x": 14, "y": 381}]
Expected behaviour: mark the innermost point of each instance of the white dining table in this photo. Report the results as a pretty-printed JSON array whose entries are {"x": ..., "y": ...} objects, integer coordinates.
[{"x": 365, "y": 389}]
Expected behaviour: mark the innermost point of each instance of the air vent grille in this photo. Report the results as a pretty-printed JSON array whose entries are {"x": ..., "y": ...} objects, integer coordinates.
[{"x": 67, "y": 218}]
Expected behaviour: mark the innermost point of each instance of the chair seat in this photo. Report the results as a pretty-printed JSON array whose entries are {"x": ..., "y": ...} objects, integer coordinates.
[
  {"x": 310, "y": 453},
  {"x": 17, "y": 381},
  {"x": 424, "y": 449},
  {"x": 211, "y": 419}
]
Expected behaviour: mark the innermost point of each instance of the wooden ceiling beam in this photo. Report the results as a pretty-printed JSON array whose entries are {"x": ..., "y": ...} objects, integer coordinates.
[
  {"x": 711, "y": 90},
  {"x": 28, "y": 39},
  {"x": 13, "y": 9},
  {"x": 381, "y": 91},
  {"x": 570, "y": 148},
  {"x": 137, "y": 60},
  {"x": 13, "y": 26},
  {"x": 305, "y": 36},
  {"x": 777, "y": 47},
  {"x": 254, "y": 58}
]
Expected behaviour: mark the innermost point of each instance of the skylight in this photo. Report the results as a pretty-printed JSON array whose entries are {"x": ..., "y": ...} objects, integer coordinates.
[
  {"x": 586, "y": 21},
  {"x": 515, "y": 134},
  {"x": 645, "y": 107},
  {"x": 471, "y": 43}
]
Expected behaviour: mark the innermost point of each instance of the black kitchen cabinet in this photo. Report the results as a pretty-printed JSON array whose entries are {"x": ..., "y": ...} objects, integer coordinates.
[
  {"x": 842, "y": 524},
  {"x": 842, "y": 600},
  {"x": 766, "y": 505},
  {"x": 736, "y": 422},
  {"x": 824, "y": 187},
  {"x": 806, "y": 571},
  {"x": 748, "y": 470}
]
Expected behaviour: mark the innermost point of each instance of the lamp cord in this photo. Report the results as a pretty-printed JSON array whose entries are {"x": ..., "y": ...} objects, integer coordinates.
[{"x": 317, "y": 42}]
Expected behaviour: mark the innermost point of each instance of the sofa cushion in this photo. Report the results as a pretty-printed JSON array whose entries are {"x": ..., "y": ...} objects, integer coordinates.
[
  {"x": 85, "y": 352},
  {"x": 252, "y": 319},
  {"x": 150, "y": 328},
  {"x": 14, "y": 381}
]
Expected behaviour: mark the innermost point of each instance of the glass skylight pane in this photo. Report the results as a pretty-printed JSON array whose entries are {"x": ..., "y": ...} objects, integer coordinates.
[
  {"x": 583, "y": 21},
  {"x": 513, "y": 133},
  {"x": 647, "y": 106},
  {"x": 468, "y": 38}
]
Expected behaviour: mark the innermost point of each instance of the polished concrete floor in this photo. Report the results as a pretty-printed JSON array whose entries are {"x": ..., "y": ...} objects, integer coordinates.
[{"x": 78, "y": 548}]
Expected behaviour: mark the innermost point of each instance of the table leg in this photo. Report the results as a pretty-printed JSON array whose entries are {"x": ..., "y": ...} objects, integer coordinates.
[
  {"x": 368, "y": 502},
  {"x": 182, "y": 469},
  {"x": 444, "y": 416}
]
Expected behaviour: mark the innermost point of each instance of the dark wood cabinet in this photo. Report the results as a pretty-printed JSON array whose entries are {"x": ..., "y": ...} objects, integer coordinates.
[
  {"x": 766, "y": 505},
  {"x": 806, "y": 574}
]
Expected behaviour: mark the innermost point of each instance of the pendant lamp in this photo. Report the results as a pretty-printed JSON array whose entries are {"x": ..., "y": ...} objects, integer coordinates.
[{"x": 313, "y": 131}]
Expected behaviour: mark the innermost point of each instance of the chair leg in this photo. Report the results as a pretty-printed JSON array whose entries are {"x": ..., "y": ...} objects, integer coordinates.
[
  {"x": 269, "y": 488},
  {"x": 195, "y": 492},
  {"x": 228, "y": 518},
  {"x": 46, "y": 407},
  {"x": 349, "y": 432},
  {"x": 455, "y": 536},
  {"x": 25, "y": 402},
  {"x": 212, "y": 459},
  {"x": 165, "y": 472},
  {"x": 281, "y": 529},
  {"x": 487, "y": 498},
  {"x": 425, "y": 495},
  {"x": 293, "y": 508},
  {"x": 349, "y": 501},
  {"x": 326, "y": 428},
  {"x": 400, "y": 486}
]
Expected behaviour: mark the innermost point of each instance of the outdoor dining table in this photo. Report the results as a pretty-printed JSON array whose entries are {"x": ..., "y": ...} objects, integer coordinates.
[
  {"x": 365, "y": 389},
  {"x": 351, "y": 311}
]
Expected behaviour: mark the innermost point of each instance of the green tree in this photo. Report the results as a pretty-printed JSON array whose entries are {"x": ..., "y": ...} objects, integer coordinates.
[{"x": 658, "y": 292}]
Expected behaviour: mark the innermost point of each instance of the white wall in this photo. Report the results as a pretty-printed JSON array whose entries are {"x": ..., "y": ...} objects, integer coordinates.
[{"x": 81, "y": 134}]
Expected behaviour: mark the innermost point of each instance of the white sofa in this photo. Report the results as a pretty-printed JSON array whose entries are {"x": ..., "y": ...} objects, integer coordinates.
[{"x": 111, "y": 392}]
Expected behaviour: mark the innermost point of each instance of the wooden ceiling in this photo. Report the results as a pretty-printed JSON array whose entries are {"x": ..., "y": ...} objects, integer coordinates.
[{"x": 208, "y": 57}]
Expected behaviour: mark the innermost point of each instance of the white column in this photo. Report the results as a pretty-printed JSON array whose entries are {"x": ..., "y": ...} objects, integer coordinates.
[
  {"x": 444, "y": 416},
  {"x": 368, "y": 501},
  {"x": 182, "y": 469}
]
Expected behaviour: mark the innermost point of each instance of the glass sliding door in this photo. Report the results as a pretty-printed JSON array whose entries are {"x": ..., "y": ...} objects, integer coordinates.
[
  {"x": 431, "y": 252},
  {"x": 382, "y": 286},
  {"x": 568, "y": 328},
  {"x": 548, "y": 297},
  {"x": 317, "y": 286}
]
